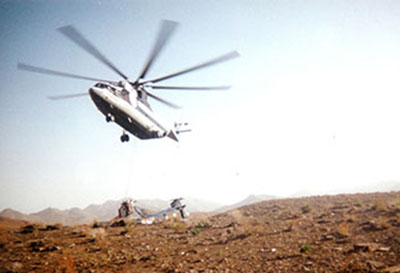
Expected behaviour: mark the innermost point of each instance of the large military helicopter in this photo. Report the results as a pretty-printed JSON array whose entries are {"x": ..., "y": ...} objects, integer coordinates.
[
  {"x": 125, "y": 102},
  {"x": 129, "y": 208}
]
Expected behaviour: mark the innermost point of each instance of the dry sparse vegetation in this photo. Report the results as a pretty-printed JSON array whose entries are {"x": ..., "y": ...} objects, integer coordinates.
[{"x": 343, "y": 233}]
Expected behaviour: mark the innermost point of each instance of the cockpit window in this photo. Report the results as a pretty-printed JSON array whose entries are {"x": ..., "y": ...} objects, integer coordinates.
[
  {"x": 116, "y": 90},
  {"x": 100, "y": 85},
  {"x": 125, "y": 95}
]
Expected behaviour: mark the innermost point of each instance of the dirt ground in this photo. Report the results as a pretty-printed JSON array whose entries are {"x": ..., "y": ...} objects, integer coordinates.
[{"x": 342, "y": 233}]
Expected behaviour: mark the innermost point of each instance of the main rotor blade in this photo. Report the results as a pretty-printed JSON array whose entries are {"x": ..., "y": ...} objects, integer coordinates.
[
  {"x": 165, "y": 32},
  {"x": 170, "y": 104},
  {"x": 36, "y": 69},
  {"x": 223, "y": 58},
  {"x": 61, "y": 97},
  {"x": 73, "y": 34},
  {"x": 190, "y": 87}
]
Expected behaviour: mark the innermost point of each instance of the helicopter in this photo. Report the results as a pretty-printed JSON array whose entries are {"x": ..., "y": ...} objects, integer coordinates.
[
  {"x": 125, "y": 102},
  {"x": 129, "y": 208}
]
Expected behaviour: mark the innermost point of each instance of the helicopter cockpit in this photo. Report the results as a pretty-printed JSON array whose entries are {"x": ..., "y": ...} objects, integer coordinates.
[
  {"x": 106, "y": 86},
  {"x": 115, "y": 90}
]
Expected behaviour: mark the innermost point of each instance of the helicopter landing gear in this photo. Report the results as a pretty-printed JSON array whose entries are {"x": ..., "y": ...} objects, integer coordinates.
[
  {"x": 109, "y": 118},
  {"x": 124, "y": 137}
]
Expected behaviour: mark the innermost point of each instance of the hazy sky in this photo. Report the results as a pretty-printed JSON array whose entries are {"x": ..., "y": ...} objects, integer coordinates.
[{"x": 314, "y": 105}]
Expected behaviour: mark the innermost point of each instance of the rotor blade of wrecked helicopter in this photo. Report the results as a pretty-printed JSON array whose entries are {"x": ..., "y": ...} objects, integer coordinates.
[
  {"x": 223, "y": 58},
  {"x": 170, "y": 104},
  {"x": 36, "y": 69},
  {"x": 165, "y": 32},
  {"x": 61, "y": 97},
  {"x": 73, "y": 34},
  {"x": 195, "y": 88}
]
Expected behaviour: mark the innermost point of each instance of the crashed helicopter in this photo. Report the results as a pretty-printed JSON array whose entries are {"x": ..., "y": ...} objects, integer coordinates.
[
  {"x": 125, "y": 102},
  {"x": 128, "y": 208}
]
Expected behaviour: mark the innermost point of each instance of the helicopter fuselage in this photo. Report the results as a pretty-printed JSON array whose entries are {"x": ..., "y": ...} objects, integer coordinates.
[
  {"x": 129, "y": 112},
  {"x": 125, "y": 102}
]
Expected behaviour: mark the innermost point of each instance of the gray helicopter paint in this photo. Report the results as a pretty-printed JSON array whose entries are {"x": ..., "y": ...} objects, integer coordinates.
[{"x": 138, "y": 121}]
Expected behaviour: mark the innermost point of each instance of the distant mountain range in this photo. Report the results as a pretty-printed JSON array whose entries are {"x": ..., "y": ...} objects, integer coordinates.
[
  {"x": 101, "y": 212},
  {"x": 109, "y": 210}
]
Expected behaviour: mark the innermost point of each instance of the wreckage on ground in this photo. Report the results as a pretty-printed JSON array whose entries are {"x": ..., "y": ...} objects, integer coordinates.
[{"x": 129, "y": 209}]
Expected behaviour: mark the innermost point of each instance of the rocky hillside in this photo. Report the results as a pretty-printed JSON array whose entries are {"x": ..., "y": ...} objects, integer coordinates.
[{"x": 343, "y": 233}]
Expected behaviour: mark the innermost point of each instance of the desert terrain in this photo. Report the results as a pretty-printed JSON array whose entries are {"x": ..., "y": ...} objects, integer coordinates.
[{"x": 341, "y": 233}]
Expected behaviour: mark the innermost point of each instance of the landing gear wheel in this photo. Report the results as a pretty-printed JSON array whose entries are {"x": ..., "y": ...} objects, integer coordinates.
[
  {"x": 109, "y": 117},
  {"x": 124, "y": 138}
]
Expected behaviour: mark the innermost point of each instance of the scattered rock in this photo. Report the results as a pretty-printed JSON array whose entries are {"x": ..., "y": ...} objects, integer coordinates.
[
  {"x": 16, "y": 266},
  {"x": 374, "y": 265},
  {"x": 28, "y": 229},
  {"x": 373, "y": 226},
  {"x": 339, "y": 235},
  {"x": 52, "y": 248},
  {"x": 328, "y": 237},
  {"x": 120, "y": 223},
  {"x": 123, "y": 232},
  {"x": 240, "y": 236},
  {"x": 146, "y": 258},
  {"x": 37, "y": 246},
  {"x": 393, "y": 269},
  {"x": 191, "y": 251},
  {"x": 93, "y": 250},
  {"x": 51, "y": 227},
  {"x": 365, "y": 247},
  {"x": 100, "y": 224},
  {"x": 383, "y": 249},
  {"x": 308, "y": 264},
  {"x": 342, "y": 241}
]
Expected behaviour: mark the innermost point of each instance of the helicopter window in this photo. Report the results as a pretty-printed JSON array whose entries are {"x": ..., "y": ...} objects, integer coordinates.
[
  {"x": 125, "y": 95},
  {"x": 111, "y": 89},
  {"x": 100, "y": 85}
]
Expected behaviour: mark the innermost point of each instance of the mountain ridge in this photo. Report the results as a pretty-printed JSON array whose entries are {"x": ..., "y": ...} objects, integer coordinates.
[
  {"x": 100, "y": 212},
  {"x": 109, "y": 210}
]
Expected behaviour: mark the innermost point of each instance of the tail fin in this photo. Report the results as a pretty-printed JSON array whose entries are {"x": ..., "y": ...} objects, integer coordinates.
[{"x": 172, "y": 135}]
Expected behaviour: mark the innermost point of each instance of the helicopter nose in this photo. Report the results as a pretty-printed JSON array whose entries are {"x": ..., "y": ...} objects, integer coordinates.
[
  {"x": 93, "y": 91},
  {"x": 95, "y": 94}
]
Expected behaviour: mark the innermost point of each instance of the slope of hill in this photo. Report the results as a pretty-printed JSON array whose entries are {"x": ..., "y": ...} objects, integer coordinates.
[
  {"x": 16, "y": 215},
  {"x": 7, "y": 223},
  {"x": 343, "y": 233},
  {"x": 103, "y": 212},
  {"x": 251, "y": 199}
]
